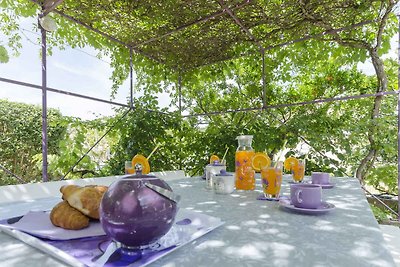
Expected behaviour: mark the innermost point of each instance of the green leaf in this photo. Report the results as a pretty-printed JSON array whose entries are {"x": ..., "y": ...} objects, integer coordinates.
[{"x": 4, "y": 58}]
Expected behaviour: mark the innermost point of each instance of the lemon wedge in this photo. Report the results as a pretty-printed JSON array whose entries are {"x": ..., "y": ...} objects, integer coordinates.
[
  {"x": 259, "y": 161},
  {"x": 214, "y": 158},
  {"x": 142, "y": 160},
  {"x": 291, "y": 163}
]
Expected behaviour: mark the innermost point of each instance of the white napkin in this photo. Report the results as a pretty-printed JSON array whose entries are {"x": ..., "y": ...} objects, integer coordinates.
[{"x": 38, "y": 223}]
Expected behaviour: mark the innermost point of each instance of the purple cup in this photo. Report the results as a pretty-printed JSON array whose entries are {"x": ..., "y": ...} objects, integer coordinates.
[
  {"x": 320, "y": 178},
  {"x": 306, "y": 196}
]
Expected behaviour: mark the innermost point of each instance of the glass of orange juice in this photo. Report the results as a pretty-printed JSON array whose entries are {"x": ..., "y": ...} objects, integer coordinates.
[
  {"x": 271, "y": 180},
  {"x": 298, "y": 171},
  {"x": 296, "y": 167},
  {"x": 129, "y": 169}
]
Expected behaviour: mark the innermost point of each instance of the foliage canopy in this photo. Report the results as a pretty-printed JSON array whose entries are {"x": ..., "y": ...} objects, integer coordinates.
[{"x": 339, "y": 136}]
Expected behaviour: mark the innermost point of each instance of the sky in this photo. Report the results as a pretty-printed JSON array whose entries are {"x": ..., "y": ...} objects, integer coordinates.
[{"x": 74, "y": 70}]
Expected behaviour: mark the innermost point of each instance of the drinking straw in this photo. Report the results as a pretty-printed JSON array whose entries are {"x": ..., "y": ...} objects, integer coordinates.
[
  {"x": 226, "y": 151},
  {"x": 280, "y": 154},
  {"x": 154, "y": 150}
]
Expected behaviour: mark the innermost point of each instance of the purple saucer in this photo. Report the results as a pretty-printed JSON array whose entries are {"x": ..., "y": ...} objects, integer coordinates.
[
  {"x": 324, "y": 208},
  {"x": 325, "y": 186}
]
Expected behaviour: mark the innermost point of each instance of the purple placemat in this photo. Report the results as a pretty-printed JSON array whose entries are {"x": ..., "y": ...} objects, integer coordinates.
[{"x": 101, "y": 251}]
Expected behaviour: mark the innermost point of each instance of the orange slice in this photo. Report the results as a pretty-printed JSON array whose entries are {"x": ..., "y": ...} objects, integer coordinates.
[
  {"x": 214, "y": 158},
  {"x": 291, "y": 163},
  {"x": 142, "y": 160},
  {"x": 260, "y": 161}
]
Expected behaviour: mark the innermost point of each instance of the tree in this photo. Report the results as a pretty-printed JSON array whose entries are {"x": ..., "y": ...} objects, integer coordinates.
[
  {"x": 374, "y": 43},
  {"x": 322, "y": 67}
]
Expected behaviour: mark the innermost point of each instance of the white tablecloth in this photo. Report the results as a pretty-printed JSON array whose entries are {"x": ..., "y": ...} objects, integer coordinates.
[{"x": 255, "y": 233}]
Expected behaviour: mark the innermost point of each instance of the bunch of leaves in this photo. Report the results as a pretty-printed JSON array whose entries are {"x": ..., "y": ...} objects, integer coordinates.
[
  {"x": 383, "y": 175},
  {"x": 12, "y": 12},
  {"x": 81, "y": 152},
  {"x": 334, "y": 133},
  {"x": 21, "y": 128},
  {"x": 139, "y": 132},
  {"x": 381, "y": 215}
]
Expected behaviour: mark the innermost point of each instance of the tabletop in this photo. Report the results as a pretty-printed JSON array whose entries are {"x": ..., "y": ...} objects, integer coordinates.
[{"x": 255, "y": 233}]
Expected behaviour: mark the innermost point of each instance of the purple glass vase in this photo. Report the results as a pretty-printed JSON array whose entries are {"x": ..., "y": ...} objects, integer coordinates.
[{"x": 133, "y": 214}]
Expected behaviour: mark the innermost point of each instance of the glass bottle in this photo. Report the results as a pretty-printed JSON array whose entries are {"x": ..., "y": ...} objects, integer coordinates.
[{"x": 244, "y": 178}]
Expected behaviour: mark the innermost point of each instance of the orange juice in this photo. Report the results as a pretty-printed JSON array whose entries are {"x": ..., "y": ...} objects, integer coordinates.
[
  {"x": 298, "y": 171},
  {"x": 244, "y": 172},
  {"x": 129, "y": 169},
  {"x": 271, "y": 180}
]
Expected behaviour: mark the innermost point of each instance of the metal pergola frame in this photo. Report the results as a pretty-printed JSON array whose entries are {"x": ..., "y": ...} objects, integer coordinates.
[{"x": 50, "y": 6}]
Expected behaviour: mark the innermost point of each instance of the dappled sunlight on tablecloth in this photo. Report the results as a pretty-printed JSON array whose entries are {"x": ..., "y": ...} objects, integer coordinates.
[
  {"x": 210, "y": 244},
  {"x": 261, "y": 233},
  {"x": 261, "y": 250},
  {"x": 323, "y": 225}
]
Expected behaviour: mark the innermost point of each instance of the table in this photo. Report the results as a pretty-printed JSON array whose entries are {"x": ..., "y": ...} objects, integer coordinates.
[{"x": 255, "y": 233}]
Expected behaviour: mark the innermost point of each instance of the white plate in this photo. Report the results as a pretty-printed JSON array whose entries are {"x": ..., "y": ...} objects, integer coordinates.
[{"x": 37, "y": 223}]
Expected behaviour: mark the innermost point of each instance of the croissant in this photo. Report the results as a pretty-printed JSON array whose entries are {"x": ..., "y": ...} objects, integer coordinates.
[
  {"x": 101, "y": 188},
  {"x": 65, "y": 216},
  {"x": 85, "y": 199}
]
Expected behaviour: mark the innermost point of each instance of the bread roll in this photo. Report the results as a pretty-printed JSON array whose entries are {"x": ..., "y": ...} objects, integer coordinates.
[
  {"x": 85, "y": 199},
  {"x": 65, "y": 216}
]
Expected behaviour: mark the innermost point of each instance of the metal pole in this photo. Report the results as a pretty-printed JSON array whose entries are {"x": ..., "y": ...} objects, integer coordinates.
[
  {"x": 12, "y": 174},
  {"x": 53, "y": 90},
  {"x": 180, "y": 113},
  {"x": 398, "y": 121},
  {"x": 344, "y": 98},
  {"x": 180, "y": 91},
  {"x": 131, "y": 75},
  {"x": 44, "y": 105},
  {"x": 58, "y": 91},
  {"x": 264, "y": 93},
  {"x": 380, "y": 201}
]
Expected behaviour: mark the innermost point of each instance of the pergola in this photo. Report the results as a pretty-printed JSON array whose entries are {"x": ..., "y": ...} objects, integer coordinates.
[{"x": 184, "y": 35}]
